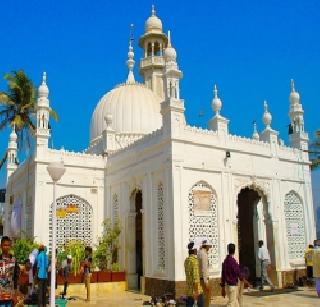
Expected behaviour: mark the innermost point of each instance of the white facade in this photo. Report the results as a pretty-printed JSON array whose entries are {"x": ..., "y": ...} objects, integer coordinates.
[{"x": 191, "y": 180}]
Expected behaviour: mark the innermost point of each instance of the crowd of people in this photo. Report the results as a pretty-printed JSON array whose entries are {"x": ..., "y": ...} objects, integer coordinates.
[
  {"x": 234, "y": 277},
  {"x": 37, "y": 268}
]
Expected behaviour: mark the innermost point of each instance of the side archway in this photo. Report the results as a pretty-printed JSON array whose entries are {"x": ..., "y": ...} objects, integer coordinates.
[{"x": 74, "y": 220}]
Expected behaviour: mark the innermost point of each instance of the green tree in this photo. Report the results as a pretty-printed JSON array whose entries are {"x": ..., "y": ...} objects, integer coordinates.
[
  {"x": 315, "y": 151},
  {"x": 22, "y": 248},
  {"x": 18, "y": 107}
]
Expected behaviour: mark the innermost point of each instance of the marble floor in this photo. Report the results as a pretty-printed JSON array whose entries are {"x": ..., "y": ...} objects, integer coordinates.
[{"x": 279, "y": 298}]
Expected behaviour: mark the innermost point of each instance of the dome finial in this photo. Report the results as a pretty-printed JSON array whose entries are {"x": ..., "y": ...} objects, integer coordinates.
[
  {"x": 130, "y": 62},
  {"x": 267, "y": 118},
  {"x": 255, "y": 134},
  {"x": 265, "y": 106},
  {"x": 44, "y": 78},
  {"x": 215, "y": 91},
  {"x": 43, "y": 90},
  {"x": 216, "y": 102},
  {"x": 292, "y": 86},
  {"x": 169, "y": 38},
  {"x": 153, "y": 10}
]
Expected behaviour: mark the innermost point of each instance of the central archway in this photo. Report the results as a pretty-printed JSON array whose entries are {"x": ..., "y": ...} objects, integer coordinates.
[{"x": 247, "y": 237}]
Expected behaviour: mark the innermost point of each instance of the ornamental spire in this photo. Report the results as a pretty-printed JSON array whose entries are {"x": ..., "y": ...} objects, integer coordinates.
[
  {"x": 153, "y": 10},
  {"x": 255, "y": 134},
  {"x": 216, "y": 101},
  {"x": 169, "y": 39},
  {"x": 130, "y": 61},
  {"x": 292, "y": 86}
]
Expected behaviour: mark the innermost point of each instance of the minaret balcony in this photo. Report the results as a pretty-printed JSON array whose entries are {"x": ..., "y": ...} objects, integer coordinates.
[{"x": 155, "y": 61}]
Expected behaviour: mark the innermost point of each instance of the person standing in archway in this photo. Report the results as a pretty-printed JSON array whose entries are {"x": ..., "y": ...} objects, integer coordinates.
[{"x": 264, "y": 258}]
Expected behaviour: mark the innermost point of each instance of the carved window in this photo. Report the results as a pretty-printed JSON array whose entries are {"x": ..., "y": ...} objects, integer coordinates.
[
  {"x": 203, "y": 219},
  {"x": 161, "y": 229},
  {"x": 293, "y": 210},
  {"x": 74, "y": 220},
  {"x": 115, "y": 208}
]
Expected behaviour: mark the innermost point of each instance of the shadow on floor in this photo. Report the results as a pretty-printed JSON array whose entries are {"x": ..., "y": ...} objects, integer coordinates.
[
  {"x": 313, "y": 296},
  {"x": 270, "y": 293}
]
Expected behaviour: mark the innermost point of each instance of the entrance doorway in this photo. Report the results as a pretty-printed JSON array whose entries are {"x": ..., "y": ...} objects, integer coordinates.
[
  {"x": 139, "y": 237},
  {"x": 248, "y": 229}
]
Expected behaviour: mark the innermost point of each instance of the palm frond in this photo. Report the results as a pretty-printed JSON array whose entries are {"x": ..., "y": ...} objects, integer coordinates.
[
  {"x": 3, "y": 160},
  {"x": 54, "y": 115}
]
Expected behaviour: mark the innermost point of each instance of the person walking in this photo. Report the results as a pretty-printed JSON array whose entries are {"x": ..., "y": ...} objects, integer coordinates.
[
  {"x": 191, "y": 267},
  {"x": 229, "y": 277},
  {"x": 264, "y": 258},
  {"x": 204, "y": 271},
  {"x": 66, "y": 270},
  {"x": 308, "y": 255},
  {"x": 42, "y": 275},
  {"x": 86, "y": 268}
]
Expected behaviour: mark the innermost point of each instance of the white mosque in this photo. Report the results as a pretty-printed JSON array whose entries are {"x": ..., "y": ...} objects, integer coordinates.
[{"x": 168, "y": 182}]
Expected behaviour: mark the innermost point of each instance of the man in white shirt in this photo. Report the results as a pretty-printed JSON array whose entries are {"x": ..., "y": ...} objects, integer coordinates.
[
  {"x": 264, "y": 258},
  {"x": 204, "y": 271}
]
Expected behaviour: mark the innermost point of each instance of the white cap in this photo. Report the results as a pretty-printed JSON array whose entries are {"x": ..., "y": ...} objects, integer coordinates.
[{"x": 69, "y": 257}]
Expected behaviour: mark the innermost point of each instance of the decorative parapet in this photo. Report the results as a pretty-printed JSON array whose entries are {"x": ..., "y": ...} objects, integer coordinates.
[
  {"x": 123, "y": 140},
  {"x": 242, "y": 139},
  {"x": 143, "y": 139},
  {"x": 68, "y": 153},
  {"x": 199, "y": 130}
]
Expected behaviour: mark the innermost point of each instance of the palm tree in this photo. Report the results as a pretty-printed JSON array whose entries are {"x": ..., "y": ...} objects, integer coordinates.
[
  {"x": 315, "y": 151},
  {"x": 18, "y": 107}
]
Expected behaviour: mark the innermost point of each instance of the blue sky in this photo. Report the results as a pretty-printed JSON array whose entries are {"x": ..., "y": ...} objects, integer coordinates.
[{"x": 251, "y": 49}]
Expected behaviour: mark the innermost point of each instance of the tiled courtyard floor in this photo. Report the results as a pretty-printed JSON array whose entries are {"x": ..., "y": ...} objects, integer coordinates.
[{"x": 302, "y": 297}]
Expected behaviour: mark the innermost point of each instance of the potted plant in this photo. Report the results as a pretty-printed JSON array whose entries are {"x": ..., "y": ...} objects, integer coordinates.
[
  {"x": 107, "y": 249},
  {"x": 75, "y": 248},
  {"x": 116, "y": 274}
]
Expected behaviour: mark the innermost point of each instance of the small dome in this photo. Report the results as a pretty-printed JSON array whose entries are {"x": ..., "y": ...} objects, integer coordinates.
[
  {"x": 153, "y": 23},
  {"x": 132, "y": 107},
  {"x": 13, "y": 135},
  {"x": 170, "y": 54},
  {"x": 43, "y": 90},
  {"x": 294, "y": 98},
  {"x": 216, "y": 103},
  {"x": 267, "y": 117}
]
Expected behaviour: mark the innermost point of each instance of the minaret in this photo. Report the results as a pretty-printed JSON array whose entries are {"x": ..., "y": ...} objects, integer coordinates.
[
  {"x": 172, "y": 108},
  {"x": 153, "y": 42},
  {"x": 43, "y": 109},
  {"x": 298, "y": 138},
  {"x": 255, "y": 134},
  {"x": 218, "y": 123},
  {"x": 12, "y": 153},
  {"x": 268, "y": 134}
]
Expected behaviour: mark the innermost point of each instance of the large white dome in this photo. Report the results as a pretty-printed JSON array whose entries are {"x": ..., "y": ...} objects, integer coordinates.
[{"x": 134, "y": 108}]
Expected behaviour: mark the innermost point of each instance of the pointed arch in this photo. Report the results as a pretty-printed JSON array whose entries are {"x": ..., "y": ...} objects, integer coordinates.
[
  {"x": 294, "y": 218},
  {"x": 72, "y": 224},
  {"x": 203, "y": 217}
]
